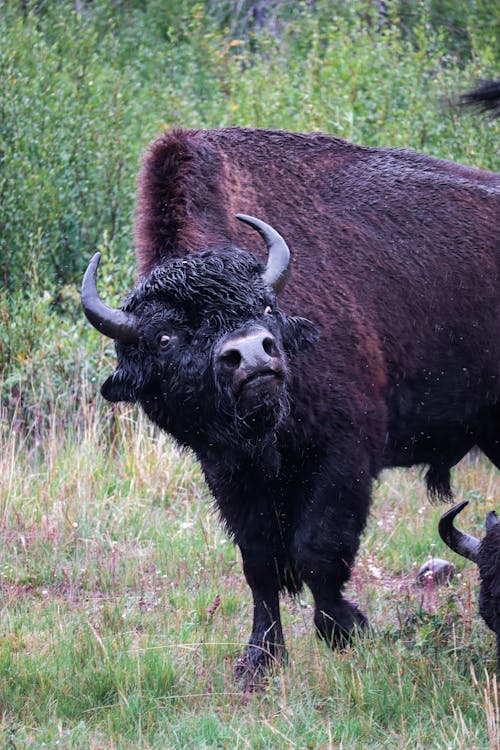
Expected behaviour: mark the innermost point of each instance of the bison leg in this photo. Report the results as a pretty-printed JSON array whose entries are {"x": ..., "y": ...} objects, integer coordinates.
[
  {"x": 336, "y": 619},
  {"x": 266, "y": 645},
  {"x": 489, "y": 441},
  {"x": 326, "y": 543}
]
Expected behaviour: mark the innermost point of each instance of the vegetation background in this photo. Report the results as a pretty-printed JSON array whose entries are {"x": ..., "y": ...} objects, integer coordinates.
[{"x": 122, "y": 603}]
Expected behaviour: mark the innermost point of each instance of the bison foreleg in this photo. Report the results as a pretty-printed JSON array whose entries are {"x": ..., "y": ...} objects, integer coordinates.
[
  {"x": 266, "y": 645},
  {"x": 325, "y": 547}
]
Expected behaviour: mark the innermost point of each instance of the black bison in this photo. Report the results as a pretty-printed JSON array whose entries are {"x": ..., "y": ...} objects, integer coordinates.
[
  {"x": 486, "y": 554},
  {"x": 296, "y": 383}
]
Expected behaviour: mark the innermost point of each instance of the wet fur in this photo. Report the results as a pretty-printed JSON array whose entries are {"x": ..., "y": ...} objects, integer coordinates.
[{"x": 488, "y": 561}]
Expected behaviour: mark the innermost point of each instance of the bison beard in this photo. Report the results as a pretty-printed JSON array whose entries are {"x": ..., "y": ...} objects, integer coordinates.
[{"x": 396, "y": 260}]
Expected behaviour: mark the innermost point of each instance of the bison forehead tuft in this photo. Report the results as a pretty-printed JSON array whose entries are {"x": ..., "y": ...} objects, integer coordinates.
[{"x": 210, "y": 278}]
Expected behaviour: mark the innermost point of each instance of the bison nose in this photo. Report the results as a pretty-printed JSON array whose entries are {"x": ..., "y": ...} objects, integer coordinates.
[{"x": 250, "y": 353}]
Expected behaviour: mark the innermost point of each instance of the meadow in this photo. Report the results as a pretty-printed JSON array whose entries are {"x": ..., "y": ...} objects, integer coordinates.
[{"x": 123, "y": 605}]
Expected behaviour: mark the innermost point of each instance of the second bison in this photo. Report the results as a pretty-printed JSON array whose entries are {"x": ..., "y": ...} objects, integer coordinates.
[{"x": 486, "y": 554}]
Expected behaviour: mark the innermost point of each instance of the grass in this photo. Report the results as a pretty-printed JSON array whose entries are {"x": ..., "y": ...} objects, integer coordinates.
[{"x": 124, "y": 607}]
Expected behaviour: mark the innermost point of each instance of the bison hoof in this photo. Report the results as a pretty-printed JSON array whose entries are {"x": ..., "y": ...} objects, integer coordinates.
[
  {"x": 338, "y": 625},
  {"x": 255, "y": 664}
]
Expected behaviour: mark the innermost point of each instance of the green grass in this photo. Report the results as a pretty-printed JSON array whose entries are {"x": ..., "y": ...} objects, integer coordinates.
[{"x": 124, "y": 608}]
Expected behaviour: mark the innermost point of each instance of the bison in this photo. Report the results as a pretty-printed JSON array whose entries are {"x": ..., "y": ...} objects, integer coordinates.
[
  {"x": 295, "y": 382},
  {"x": 486, "y": 554}
]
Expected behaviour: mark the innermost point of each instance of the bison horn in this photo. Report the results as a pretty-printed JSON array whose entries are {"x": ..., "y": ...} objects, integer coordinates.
[
  {"x": 278, "y": 262},
  {"x": 109, "y": 321},
  {"x": 462, "y": 544}
]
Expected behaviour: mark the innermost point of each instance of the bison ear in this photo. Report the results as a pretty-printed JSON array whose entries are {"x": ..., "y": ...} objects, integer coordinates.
[
  {"x": 118, "y": 388},
  {"x": 491, "y": 520},
  {"x": 300, "y": 335}
]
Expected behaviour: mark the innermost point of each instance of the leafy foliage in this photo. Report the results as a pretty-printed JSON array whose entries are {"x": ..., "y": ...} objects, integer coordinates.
[{"x": 83, "y": 93}]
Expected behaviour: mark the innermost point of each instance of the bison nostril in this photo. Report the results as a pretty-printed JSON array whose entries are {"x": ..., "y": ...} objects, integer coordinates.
[
  {"x": 250, "y": 352},
  {"x": 231, "y": 359},
  {"x": 269, "y": 346}
]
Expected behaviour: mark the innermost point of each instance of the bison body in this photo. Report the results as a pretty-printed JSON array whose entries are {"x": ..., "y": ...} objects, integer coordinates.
[
  {"x": 488, "y": 561},
  {"x": 381, "y": 350}
]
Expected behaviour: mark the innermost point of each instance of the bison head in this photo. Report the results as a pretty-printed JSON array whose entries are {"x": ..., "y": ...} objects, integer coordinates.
[
  {"x": 202, "y": 344},
  {"x": 485, "y": 553}
]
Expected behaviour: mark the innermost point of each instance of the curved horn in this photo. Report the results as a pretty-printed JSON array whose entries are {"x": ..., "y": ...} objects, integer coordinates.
[
  {"x": 278, "y": 262},
  {"x": 116, "y": 324},
  {"x": 462, "y": 544}
]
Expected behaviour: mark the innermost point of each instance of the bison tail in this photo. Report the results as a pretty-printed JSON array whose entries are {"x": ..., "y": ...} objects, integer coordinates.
[
  {"x": 485, "y": 97},
  {"x": 438, "y": 484}
]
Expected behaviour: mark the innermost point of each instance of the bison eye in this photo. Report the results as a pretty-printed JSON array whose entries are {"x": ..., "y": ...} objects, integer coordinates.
[
  {"x": 164, "y": 341},
  {"x": 268, "y": 310}
]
